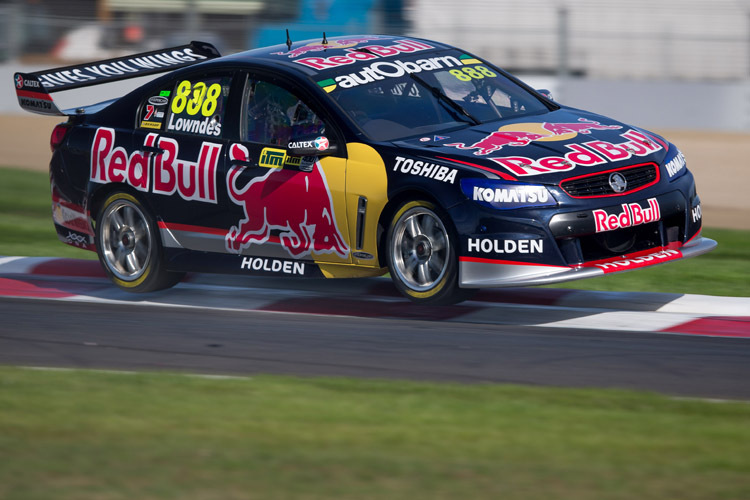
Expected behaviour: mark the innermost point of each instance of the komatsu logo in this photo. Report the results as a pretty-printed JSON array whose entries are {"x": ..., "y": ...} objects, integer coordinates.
[{"x": 525, "y": 194}]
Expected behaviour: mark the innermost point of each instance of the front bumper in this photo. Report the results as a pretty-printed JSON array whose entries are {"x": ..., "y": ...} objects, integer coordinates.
[{"x": 486, "y": 273}]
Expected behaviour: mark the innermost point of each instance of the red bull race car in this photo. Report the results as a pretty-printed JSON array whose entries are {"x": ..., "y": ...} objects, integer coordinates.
[{"x": 352, "y": 157}]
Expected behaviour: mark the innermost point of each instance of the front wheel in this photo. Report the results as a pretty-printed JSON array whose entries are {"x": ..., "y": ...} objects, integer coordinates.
[
  {"x": 422, "y": 256},
  {"x": 128, "y": 246}
]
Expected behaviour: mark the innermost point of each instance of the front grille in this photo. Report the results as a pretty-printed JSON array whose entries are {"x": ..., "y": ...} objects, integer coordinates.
[{"x": 595, "y": 185}]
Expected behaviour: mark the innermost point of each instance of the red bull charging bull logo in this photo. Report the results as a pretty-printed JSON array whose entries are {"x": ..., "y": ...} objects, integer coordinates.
[
  {"x": 296, "y": 203},
  {"x": 548, "y": 131}
]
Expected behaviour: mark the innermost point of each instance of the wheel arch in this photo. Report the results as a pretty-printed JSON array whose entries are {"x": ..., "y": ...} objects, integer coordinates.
[{"x": 386, "y": 215}]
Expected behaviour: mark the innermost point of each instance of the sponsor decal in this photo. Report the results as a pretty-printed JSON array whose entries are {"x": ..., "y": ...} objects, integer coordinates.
[
  {"x": 508, "y": 196},
  {"x": 296, "y": 203},
  {"x": 425, "y": 169},
  {"x": 424, "y": 139},
  {"x": 148, "y": 124},
  {"x": 636, "y": 262},
  {"x": 488, "y": 245},
  {"x": 28, "y": 102},
  {"x": 586, "y": 154},
  {"x": 696, "y": 213},
  {"x": 119, "y": 67},
  {"x": 76, "y": 239},
  {"x": 364, "y": 54},
  {"x": 342, "y": 43},
  {"x": 272, "y": 265},
  {"x": 69, "y": 215},
  {"x": 329, "y": 84},
  {"x": 158, "y": 100},
  {"x": 21, "y": 83},
  {"x": 302, "y": 162},
  {"x": 506, "y": 136},
  {"x": 675, "y": 165},
  {"x": 191, "y": 180},
  {"x": 632, "y": 215},
  {"x": 152, "y": 118},
  {"x": 165, "y": 93},
  {"x": 467, "y": 59},
  {"x": 321, "y": 143},
  {"x": 272, "y": 158},
  {"x": 393, "y": 69},
  {"x": 363, "y": 255}
]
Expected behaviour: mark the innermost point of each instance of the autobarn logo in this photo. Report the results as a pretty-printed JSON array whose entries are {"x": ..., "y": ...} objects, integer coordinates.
[
  {"x": 389, "y": 69},
  {"x": 191, "y": 180},
  {"x": 364, "y": 54},
  {"x": 632, "y": 215}
]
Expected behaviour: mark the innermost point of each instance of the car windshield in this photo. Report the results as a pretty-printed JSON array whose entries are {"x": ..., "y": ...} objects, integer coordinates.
[{"x": 388, "y": 103}]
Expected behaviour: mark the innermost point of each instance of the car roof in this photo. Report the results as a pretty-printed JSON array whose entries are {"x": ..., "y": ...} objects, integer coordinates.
[{"x": 281, "y": 55}]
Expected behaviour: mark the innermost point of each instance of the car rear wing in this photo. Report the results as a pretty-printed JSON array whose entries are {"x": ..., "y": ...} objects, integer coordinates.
[{"x": 33, "y": 89}]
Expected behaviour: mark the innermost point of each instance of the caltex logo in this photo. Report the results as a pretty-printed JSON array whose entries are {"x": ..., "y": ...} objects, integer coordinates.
[
  {"x": 321, "y": 143},
  {"x": 19, "y": 82}
]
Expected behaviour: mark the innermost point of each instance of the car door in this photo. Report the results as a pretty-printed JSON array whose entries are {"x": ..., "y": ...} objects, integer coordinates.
[
  {"x": 182, "y": 127},
  {"x": 285, "y": 206}
]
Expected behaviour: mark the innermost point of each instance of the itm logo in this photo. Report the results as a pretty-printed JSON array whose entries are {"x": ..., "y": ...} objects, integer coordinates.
[{"x": 272, "y": 158}]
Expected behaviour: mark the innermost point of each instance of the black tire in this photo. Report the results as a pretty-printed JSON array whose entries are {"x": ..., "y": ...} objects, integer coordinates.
[
  {"x": 422, "y": 257},
  {"x": 129, "y": 247}
]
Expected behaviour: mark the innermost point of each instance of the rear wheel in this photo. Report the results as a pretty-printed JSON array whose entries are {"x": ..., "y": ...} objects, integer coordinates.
[
  {"x": 128, "y": 246},
  {"x": 422, "y": 256}
]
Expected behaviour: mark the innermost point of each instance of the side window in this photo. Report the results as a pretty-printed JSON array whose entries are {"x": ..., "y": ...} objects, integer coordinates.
[
  {"x": 197, "y": 105},
  {"x": 153, "y": 109},
  {"x": 274, "y": 115}
]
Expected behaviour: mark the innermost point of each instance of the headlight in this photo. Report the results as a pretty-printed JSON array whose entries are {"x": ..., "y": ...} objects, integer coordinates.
[
  {"x": 507, "y": 195},
  {"x": 674, "y": 163}
]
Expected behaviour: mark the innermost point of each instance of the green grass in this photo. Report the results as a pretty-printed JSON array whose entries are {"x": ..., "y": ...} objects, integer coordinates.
[
  {"x": 87, "y": 435},
  {"x": 26, "y": 226}
]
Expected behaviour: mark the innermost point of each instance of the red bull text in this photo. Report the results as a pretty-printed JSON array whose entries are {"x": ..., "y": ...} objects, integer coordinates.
[{"x": 191, "y": 180}]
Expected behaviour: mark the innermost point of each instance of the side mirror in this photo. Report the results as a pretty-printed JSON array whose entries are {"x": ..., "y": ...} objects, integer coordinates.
[
  {"x": 546, "y": 93},
  {"x": 311, "y": 146}
]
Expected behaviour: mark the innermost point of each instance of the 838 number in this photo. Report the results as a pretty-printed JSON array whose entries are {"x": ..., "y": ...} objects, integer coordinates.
[{"x": 196, "y": 98}]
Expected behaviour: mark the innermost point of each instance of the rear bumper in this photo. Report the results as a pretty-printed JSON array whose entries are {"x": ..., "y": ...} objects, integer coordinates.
[{"x": 489, "y": 273}]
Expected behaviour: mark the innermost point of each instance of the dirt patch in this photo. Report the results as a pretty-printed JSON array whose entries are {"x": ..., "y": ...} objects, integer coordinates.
[{"x": 718, "y": 160}]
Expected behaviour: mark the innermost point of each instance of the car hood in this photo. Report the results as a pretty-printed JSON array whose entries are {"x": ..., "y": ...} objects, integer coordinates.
[{"x": 544, "y": 148}]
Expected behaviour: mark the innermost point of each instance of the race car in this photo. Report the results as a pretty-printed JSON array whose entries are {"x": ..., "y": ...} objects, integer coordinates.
[{"x": 351, "y": 157}]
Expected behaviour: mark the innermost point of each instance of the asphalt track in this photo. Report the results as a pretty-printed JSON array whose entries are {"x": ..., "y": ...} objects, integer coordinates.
[{"x": 306, "y": 328}]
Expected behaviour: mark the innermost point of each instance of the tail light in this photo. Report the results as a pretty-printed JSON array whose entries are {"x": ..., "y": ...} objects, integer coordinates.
[{"x": 58, "y": 135}]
